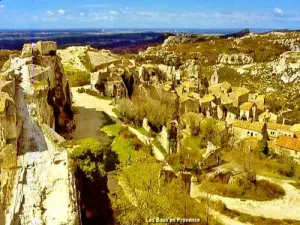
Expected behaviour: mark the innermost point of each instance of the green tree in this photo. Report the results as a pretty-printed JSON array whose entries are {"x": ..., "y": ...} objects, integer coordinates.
[
  {"x": 263, "y": 147},
  {"x": 89, "y": 158},
  {"x": 146, "y": 193}
]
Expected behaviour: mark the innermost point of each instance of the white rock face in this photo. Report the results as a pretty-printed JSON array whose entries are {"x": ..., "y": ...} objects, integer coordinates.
[
  {"x": 235, "y": 59},
  {"x": 44, "y": 192},
  {"x": 164, "y": 138},
  {"x": 287, "y": 67}
]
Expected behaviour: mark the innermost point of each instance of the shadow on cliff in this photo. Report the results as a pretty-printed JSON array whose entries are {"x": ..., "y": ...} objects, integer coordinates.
[{"x": 31, "y": 137}]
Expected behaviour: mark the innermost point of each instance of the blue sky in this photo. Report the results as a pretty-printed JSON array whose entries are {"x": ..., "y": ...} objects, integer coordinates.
[{"x": 39, "y": 14}]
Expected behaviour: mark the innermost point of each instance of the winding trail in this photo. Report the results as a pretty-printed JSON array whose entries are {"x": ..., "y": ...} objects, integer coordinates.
[{"x": 287, "y": 207}]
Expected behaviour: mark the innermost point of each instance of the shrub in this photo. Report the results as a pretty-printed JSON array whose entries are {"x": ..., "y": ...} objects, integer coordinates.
[
  {"x": 125, "y": 132},
  {"x": 77, "y": 77},
  {"x": 89, "y": 158},
  {"x": 136, "y": 143}
]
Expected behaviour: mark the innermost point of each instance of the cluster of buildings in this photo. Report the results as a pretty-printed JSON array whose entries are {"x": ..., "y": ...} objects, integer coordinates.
[{"x": 245, "y": 114}]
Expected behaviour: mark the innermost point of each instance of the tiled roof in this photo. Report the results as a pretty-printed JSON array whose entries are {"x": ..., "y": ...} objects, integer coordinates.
[
  {"x": 246, "y": 106},
  {"x": 226, "y": 85},
  {"x": 240, "y": 91},
  {"x": 255, "y": 126},
  {"x": 207, "y": 98},
  {"x": 296, "y": 128},
  {"x": 188, "y": 84},
  {"x": 184, "y": 98},
  {"x": 194, "y": 95},
  {"x": 288, "y": 142},
  {"x": 278, "y": 126}
]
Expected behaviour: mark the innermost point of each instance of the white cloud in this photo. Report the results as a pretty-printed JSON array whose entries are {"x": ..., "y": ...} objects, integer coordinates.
[
  {"x": 81, "y": 14},
  {"x": 2, "y": 6},
  {"x": 61, "y": 11},
  {"x": 113, "y": 12},
  {"x": 278, "y": 11},
  {"x": 49, "y": 12}
]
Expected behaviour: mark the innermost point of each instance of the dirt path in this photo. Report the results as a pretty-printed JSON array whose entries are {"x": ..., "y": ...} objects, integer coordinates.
[
  {"x": 287, "y": 207},
  {"x": 89, "y": 114}
]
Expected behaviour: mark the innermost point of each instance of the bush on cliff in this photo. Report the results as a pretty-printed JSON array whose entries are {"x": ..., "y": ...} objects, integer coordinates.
[{"x": 93, "y": 158}]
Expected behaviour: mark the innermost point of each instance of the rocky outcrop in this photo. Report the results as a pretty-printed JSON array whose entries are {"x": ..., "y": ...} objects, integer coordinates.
[
  {"x": 183, "y": 38},
  {"x": 235, "y": 59},
  {"x": 233, "y": 174},
  {"x": 239, "y": 34},
  {"x": 44, "y": 191},
  {"x": 287, "y": 67},
  {"x": 211, "y": 158},
  {"x": 34, "y": 100},
  {"x": 292, "y": 44}
]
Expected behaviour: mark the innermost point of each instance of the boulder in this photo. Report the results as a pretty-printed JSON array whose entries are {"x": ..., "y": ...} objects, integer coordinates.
[
  {"x": 26, "y": 51},
  {"x": 46, "y": 47},
  {"x": 242, "y": 181},
  {"x": 220, "y": 176},
  {"x": 235, "y": 59}
]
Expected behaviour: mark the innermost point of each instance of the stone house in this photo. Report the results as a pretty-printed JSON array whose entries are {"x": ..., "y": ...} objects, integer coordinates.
[
  {"x": 244, "y": 129},
  {"x": 188, "y": 104},
  {"x": 230, "y": 117},
  {"x": 214, "y": 79},
  {"x": 189, "y": 86},
  {"x": 222, "y": 95},
  {"x": 224, "y": 87},
  {"x": 260, "y": 102},
  {"x": 109, "y": 82},
  {"x": 268, "y": 116},
  {"x": 296, "y": 129},
  {"x": 288, "y": 146},
  {"x": 248, "y": 111},
  {"x": 206, "y": 105},
  {"x": 276, "y": 130},
  {"x": 239, "y": 96}
]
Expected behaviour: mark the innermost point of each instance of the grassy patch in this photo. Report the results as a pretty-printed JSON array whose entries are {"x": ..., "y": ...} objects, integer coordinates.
[
  {"x": 195, "y": 143},
  {"x": 123, "y": 149},
  {"x": 112, "y": 130},
  {"x": 263, "y": 190},
  {"x": 77, "y": 77}
]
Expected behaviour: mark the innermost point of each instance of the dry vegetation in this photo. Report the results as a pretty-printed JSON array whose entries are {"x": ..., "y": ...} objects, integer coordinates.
[
  {"x": 155, "y": 105},
  {"x": 263, "y": 190},
  {"x": 246, "y": 218}
]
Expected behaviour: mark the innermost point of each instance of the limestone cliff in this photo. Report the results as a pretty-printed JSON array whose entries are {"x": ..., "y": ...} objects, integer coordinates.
[{"x": 35, "y": 101}]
